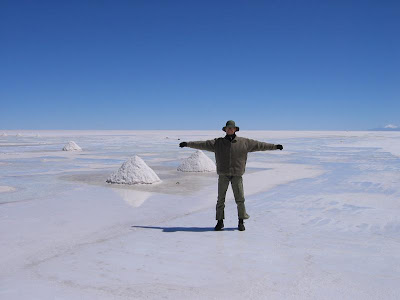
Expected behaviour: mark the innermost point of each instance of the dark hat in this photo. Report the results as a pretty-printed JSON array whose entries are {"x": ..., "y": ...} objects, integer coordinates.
[{"x": 230, "y": 124}]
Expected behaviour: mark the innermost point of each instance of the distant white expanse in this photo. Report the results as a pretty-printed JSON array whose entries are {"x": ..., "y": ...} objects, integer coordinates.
[{"x": 325, "y": 218}]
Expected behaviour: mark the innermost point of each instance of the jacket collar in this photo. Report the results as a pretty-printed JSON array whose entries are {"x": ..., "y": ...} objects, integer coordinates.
[{"x": 230, "y": 137}]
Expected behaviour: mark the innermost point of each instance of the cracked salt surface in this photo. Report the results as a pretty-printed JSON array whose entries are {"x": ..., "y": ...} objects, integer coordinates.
[{"x": 323, "y": 225}]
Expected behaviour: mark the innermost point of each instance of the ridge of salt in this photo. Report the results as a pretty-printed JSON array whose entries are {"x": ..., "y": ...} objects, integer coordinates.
[
  {"x": 134, "y": 171},
  {"x": 72, "y": 146},
  {"x": 197, "y": 162}
]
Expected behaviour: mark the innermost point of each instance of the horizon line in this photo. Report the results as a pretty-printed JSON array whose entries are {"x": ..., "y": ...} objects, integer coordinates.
[{"x": 375, "y": 129}]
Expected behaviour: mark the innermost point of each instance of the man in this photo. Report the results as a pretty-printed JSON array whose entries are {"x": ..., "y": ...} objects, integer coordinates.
[{"x": 231, "y": 156}]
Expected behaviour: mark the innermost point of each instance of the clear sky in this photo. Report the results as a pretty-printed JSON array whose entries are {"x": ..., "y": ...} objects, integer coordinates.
[{"x": 271, "y": 65}]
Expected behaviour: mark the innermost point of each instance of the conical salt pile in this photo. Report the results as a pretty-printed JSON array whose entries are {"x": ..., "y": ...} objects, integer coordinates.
[
  {"x": 197, "y": 162},
  {"x": 72, "y": 146},
  {"x": 134, "y": 171}
]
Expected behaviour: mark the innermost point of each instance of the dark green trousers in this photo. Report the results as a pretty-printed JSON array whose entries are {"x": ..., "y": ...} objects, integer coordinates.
[{"x": 238, "y": 192}]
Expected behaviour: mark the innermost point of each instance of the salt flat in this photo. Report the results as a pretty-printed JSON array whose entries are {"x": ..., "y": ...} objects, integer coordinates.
[{"x": 325, "y": 219}]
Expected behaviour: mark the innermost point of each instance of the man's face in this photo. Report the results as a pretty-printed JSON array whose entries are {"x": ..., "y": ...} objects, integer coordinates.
[{"x": 230, "y": 130}]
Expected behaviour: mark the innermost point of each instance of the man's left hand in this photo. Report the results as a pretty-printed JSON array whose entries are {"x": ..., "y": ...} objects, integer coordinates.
[{"x": 280, "y": 147}]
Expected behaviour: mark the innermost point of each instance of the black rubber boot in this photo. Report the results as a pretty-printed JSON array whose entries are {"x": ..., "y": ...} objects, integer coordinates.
[
  {"x": 219, "y": 226},
  {"x": 241, "y": 225}
]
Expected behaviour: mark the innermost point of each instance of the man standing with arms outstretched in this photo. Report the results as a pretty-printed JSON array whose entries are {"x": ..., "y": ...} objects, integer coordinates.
[{"x": 231, "y": 157}]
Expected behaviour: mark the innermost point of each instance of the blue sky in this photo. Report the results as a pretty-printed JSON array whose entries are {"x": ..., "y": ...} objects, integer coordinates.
[{"x": 271, "y": 65}]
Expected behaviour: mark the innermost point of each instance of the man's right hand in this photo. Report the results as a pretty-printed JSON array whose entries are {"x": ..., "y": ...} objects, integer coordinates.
[
  {"x": 279, "y": 147},
  {"x": 183, "y": 144}
]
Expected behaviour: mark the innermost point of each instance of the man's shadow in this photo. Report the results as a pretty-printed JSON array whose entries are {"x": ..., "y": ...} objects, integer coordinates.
[{"x": 183, "y": 229}]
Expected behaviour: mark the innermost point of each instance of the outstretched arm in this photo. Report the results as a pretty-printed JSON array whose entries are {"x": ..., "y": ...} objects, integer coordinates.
[
  {"x": 253, "y": 145},
  {"x": 208, "y": 145}
]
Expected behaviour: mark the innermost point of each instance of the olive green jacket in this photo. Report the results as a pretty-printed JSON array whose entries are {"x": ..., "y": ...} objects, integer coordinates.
[{"x": 231, "y": 157}]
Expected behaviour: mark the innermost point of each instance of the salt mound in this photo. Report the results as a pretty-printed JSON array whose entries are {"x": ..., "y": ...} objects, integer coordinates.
[
  {"x": 5, "y": 189},
  {"x": 197, "y": 162},
  {"x": 72, "y": 146},
  {"x": 134, "y": 171},
  {"x": 4, "y": 134}
]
